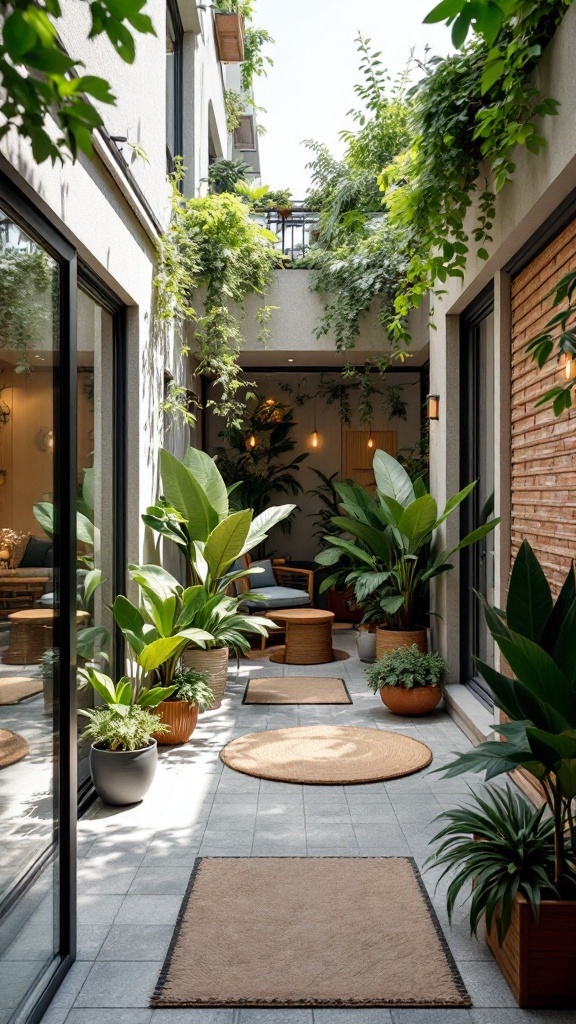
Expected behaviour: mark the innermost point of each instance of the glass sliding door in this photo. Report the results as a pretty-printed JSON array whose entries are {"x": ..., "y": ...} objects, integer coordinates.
[
  {"x": 37, "y": 610},
  {"x": 477, "y": 561}
]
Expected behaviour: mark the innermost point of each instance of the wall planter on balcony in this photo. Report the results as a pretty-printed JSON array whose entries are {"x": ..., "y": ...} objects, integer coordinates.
[
  {"x": 537, "y": 960},
  {"x": 230, "y": 37}
]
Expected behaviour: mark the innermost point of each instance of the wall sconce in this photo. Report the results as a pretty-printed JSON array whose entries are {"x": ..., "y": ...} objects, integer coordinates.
[
  {"x": 433, "y": 407},
  {"x": 251, "y": 442},
  {"x": 569, "y": 366},
  {"x": 45, "y": 440}
]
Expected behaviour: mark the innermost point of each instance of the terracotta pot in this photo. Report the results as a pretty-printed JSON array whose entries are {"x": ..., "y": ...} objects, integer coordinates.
[
  {"x": 215, "y": 663},
  {"x": 537, "y": 960},
  {"x": 420, "y": 700},
  {"x": 388, "y": 640},
  {"x": 181, "y": 717}
]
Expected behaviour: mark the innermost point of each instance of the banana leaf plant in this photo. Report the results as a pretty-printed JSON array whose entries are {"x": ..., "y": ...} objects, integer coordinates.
[
  {"x": 537, "y": 637},
  {"x": 124, "y": 694},
  {"x": 195, "y": 514},
  {"x": 389, "y": 544},
  {"x": 163, "y": 626}
]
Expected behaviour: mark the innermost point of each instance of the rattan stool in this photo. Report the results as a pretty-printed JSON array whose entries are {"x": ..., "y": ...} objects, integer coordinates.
[
  {"x": 308, "y": 635},
  {"x": 31, "y": 635}
]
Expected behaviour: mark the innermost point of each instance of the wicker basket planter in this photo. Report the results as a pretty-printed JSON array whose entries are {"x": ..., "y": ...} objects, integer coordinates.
[
  {"x": 388, "y": 640},
  {"x": 181, "y": 718},
  {"x": 420, "y": 700},
  {"x": 538, "y": 960},
  {"x": 215, "y": 663},
  {"x": 230, "y": 37}
]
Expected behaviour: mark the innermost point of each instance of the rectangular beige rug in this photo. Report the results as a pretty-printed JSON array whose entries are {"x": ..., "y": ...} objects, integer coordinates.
[
  {"x": 308, "y": 931},
  {"x": 296, "y": 690},
  {"x": 16, "y": 688}
]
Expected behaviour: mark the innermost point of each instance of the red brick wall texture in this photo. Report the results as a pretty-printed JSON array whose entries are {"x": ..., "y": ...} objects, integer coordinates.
[{"x": 542, "y": 446}]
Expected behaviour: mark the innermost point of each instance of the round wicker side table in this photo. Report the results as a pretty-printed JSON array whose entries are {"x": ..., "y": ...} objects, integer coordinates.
[
  {"x": 308, "y": 635},
  {"x": 31, "y": 635}
]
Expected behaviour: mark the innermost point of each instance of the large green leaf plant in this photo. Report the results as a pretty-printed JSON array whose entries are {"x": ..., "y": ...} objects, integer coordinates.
[
  {"x": 537, "y": 638},
  {"x": 388, "y": 546}
]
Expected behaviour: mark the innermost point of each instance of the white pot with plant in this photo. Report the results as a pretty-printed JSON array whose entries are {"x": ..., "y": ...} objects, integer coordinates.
[{"x": 408, "y": 681}]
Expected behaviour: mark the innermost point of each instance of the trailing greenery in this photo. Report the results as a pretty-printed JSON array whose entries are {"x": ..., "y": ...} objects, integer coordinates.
[
  {"x": 224, "y": 175},
  {"x": 234, "y": 104},
  {"x": 387, "y": 547},
  {"x": 192, "y": 687},
  {"x": 376, "y": 397},
  {"x": 466, "y": 123},
  {"x": 537, "y": 638},
  {"x": 109, "y": 730},
  {"x": 177, "y": 404},
  {"x": 43, "y": 84},
  {"x": 256, "y": 474},
  {"x": 408, "y": 668},
  {"x": 560, "y": 333},
  {"x": 499, "y": 846},
  {"x": 212, "y": 243},
  {"x": 255, "y": 62}
]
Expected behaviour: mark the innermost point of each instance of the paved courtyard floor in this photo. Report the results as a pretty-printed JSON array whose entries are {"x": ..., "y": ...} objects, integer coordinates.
[{"x": 135, "y": 863}]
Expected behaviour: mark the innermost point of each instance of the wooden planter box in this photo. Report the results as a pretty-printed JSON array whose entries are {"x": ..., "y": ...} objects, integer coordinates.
[
  {"x": 539, "y": 960},
  {"x": 230, "y": 37}
]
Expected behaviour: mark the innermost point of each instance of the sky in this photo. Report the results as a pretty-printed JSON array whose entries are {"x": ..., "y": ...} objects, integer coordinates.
[{"x": 311, "y": 86}]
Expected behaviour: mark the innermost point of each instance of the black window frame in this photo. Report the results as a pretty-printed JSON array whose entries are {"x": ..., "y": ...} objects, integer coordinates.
[
  {"x": 470, "y": 425},
  {"x": 174, "y": 14}
]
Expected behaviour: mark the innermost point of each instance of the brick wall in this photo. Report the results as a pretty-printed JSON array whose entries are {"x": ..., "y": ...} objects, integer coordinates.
[{"x": 542, "y": 446}]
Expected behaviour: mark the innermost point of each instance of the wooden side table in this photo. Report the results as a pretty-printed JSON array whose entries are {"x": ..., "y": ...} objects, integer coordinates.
[
  {"x": 31, "y": 635},
  {"x": 308, "y": 635},
  {"x": 20, "y": 592}
]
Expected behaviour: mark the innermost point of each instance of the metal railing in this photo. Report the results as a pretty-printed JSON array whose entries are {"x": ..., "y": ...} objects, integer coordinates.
[{"x": 295, "y": 229}]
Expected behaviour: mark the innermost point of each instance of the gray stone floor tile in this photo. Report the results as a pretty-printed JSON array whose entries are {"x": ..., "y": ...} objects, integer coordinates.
[
  {"x": 517, "y": 1016},
  {"x": 66, "y": 994},
  {"x": 109, "y": 1016},
  {"x": 140, "y": 910},
  {"x": 208, "y": 1016},
  {"x": 485, "y": 984},
  {"x": 126, "y": 984},
  {"x": 425, "y": 1016},
  {"x": 288, "y": 1016},
  {"x": 366, "y": 1016},
  {"x": 142, "y": 943},
  {"x": 172, "y": 881}
]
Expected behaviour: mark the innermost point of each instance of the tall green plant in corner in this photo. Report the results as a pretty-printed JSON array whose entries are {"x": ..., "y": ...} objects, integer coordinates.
[{"x": 213, "y": 244}]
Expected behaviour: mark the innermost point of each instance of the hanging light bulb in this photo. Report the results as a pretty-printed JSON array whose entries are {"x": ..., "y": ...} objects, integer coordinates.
[
  {"x": 314, "y": 439},
  {"x": 370, "y": 438},
  {"x": 252, "y": 442}
]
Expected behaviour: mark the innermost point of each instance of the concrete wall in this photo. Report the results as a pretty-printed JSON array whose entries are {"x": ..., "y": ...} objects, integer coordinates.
[
  {"x": 539, "y": 185},
  {"x": 300, "y": 544}
]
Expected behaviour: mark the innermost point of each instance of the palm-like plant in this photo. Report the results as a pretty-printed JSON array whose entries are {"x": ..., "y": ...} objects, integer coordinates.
[
  {"x": 389, "y": 544},
  {"x": 537, "y": 637},
  {"x": 501, "y": 846}
]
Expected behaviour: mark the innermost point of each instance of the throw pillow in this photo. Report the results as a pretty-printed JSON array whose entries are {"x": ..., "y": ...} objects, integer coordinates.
[
  {"x": 37, "y": 554},
  {"x": 262, "y": 579}
]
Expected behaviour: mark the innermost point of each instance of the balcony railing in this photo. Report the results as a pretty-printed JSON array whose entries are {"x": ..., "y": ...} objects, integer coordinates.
[{"x": 295, "y": 229}]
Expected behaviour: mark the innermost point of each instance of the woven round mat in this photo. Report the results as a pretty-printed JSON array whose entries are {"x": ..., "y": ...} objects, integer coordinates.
[
  {"x": 12, "y": 748},
  {"x": 326, "y": 755}
]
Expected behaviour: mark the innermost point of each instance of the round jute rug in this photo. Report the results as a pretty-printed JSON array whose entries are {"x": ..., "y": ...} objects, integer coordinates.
[
  {"x": 326, "y": 755},
  {"x": 12, "y": 748}
]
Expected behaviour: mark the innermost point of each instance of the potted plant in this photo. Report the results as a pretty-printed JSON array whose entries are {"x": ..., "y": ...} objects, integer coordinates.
[
  {"x": 229, "y": 30},
  {"x": 179, "y": 711},
  {"x": 123, "y": 754},
  {"x": 195, "y": 514},
  {"x": 388, "y": 543},
  {"x": 537, "y": 638},
  {"x": 409, "y": 682}
]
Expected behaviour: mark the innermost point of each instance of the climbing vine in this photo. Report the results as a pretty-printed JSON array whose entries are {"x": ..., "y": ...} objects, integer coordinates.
[{"x": 213, "y": 244}]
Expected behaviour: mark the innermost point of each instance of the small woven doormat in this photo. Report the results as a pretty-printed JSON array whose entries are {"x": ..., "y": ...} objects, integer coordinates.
[
  {"x": 16, "y": 688},
  {"x": 326, "y": 755},
  {"x": 308, "y": 931},
  {"x": 296, "y": 690},
  {"x": 12, "y": 748}
]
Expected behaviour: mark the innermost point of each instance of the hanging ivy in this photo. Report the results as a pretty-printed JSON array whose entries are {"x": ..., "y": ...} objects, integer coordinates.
[{"x": 213, "y": 244}]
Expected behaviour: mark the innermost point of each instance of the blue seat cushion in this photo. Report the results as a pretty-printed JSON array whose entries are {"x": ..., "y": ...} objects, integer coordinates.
[{"x": 277, "y": 597}]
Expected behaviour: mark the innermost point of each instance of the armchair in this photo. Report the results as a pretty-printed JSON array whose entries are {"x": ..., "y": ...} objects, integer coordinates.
[{"x": 281, "y": 586}]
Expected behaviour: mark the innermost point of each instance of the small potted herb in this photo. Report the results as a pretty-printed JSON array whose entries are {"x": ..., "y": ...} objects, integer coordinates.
[
  {"x": 179, "y": 712},
  {"x": 124, "y": 754},
  {"x": 409, "y": 682}
]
